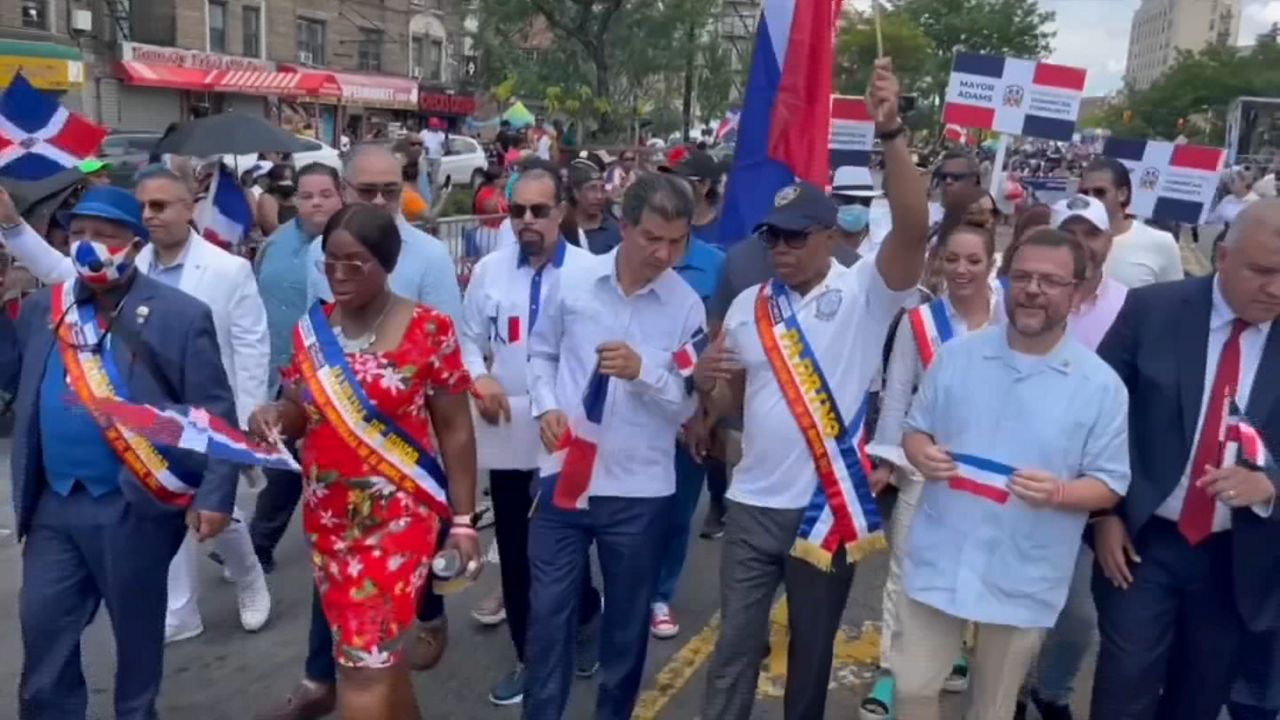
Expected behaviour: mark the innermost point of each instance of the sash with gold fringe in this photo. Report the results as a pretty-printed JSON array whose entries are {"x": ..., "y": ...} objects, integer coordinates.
[
  {"x": 93, "y": 376},
  {"x": 375, "y": 437},
  {"x": 842, "y": 511}
]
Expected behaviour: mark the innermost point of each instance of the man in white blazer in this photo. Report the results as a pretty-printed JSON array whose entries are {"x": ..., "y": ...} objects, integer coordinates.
[{"x": 178, "y": 257}]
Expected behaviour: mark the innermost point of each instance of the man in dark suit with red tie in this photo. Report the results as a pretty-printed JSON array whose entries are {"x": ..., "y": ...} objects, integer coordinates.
[{"x": 1189, "y": 562}]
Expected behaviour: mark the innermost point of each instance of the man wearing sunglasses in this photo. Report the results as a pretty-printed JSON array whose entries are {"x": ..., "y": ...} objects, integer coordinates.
[
  {"x": 1140, "y": 254},
  {"x": 93, "y": 535},
  {"x": 836, "y": 319},
  {"x": 424, "y": 270},
  {"x": 957, "y": 168}
]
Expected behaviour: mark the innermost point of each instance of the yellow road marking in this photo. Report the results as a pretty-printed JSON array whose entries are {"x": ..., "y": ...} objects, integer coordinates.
[{"x": 676, "y": 673}]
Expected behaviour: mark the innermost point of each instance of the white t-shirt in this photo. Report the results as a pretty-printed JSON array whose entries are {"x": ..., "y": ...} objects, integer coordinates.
[
  {"x": 845, "y": 320},
  {"x": 543, "y": 149},
  {"x": 432, "y": 143},
  {"x": 1142, "y": 256}
]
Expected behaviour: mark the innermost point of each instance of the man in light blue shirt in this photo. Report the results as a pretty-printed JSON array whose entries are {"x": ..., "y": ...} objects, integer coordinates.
[
  {"x": 1022, "y": 432},
  {"x": 424, "y": 271}
]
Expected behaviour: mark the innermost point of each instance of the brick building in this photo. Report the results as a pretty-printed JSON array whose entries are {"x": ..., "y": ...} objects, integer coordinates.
[{"x": 142, "y": 64}]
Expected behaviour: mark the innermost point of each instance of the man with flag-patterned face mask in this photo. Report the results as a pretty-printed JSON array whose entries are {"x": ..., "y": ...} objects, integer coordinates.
[{"x": 101, "y": 511}]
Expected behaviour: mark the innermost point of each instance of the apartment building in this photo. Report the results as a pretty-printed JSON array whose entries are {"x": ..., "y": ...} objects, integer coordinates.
[{"x": 1161, "y": 27}]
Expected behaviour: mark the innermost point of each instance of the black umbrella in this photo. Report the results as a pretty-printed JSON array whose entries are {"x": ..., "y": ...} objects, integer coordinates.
[
  {"x": 37, "y": 200},
  {"x": 228, "y": 134}
]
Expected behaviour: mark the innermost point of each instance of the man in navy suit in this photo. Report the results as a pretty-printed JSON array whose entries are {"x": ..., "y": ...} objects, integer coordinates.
[
  {"x": 93, "y": 533},
  {"x": 1189, "y": 563}
]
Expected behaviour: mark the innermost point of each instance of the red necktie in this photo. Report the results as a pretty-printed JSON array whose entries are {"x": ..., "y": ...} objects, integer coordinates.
[{"x": 1196, "y": 520}]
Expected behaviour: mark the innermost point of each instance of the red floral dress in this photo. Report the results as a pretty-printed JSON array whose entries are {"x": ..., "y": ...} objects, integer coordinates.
[{"x": 371, "y": 543}]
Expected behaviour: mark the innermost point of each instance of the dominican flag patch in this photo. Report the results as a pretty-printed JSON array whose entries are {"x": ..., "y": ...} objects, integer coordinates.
[
  {"x": 1011, "y": 95},
  {"x": 686, "y": 358},
  {"x": 39, "y": 137},
  {"x": 513, "y": 330},
  {"x": 566, "y": 476},
  {"x": 982, "y": 477},
  {"x": 1170, "y": 182}
]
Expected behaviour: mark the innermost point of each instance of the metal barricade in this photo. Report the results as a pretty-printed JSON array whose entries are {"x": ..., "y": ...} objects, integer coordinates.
[{"x": 468, "y": 238}]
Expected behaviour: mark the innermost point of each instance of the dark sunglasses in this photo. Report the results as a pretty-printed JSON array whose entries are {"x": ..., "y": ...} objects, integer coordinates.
[
  {"x": 540, "y": 211},
  {"x": 369, "y": 193},
  {"x": 794, "y": 239},
  {"x": 945, "y": 177}
]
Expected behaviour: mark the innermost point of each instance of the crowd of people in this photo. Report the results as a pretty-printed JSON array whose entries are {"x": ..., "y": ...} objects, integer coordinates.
[{"x": 1062, "y": 444}]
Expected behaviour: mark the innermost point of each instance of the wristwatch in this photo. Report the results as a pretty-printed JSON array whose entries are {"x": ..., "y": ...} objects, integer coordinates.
[{"x": 893, "y": 134}]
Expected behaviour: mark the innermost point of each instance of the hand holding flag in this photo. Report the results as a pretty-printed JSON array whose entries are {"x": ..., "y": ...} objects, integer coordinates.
[
  {"x": 717, "y": 362},
  {"x": 1242, "y": 480},
  {"x": 617, "y": 359},
  {"x": 882, "y": 95}
]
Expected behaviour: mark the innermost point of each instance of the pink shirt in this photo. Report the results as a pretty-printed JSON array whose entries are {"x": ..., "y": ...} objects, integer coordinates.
[{"x": 1094, "y": 317}]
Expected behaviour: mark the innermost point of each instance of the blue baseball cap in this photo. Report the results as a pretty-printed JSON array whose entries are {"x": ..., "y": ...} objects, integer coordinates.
[
  {"x": 114, "y": 204},
  {"x": 800, "y": 206}
]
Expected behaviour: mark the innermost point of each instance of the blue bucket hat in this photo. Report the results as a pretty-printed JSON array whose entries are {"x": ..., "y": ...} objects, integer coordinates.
[{"x": 114, "y": 204}]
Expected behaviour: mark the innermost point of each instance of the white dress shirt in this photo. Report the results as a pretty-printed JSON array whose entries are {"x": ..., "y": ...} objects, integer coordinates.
[
  {"x": 845, "y": 319},
  {"x": 501, "y": 289},
  {"x": 1252, "y": 342},
  {"x": 636, "y": 448}
]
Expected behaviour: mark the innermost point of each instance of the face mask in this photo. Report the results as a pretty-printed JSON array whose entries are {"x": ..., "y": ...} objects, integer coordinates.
[
  {"x": 97, "y": 264},
  {"x": 853, "y": 218}
]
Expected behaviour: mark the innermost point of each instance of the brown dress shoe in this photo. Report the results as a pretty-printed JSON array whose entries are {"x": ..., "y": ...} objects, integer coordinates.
[
  {"x": 308, "y": 701},
  {"x": 428, "y": 644}
]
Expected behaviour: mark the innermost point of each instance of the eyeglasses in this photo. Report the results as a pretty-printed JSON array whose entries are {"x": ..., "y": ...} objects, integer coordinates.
[
  {"x": 1098, "y": 192},
  {"x": 540, "y": 211},
  {"x": 946, "y": 177},
  {"x": 369, "y": 193},
  {"x": 1047, "y": 283},
  {"x": 794, "y": 239},
  {"x": 344, "y": 269}
]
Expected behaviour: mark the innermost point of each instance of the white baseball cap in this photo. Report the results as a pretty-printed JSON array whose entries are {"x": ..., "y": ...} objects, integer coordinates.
[
  {"x": 1083, "y": 206},
  {"x": 854, "y": 181}
]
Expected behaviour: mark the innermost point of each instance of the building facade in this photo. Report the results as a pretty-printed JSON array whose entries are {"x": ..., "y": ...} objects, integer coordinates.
[
  {"x": 1162, "y": 27},
  {"x": 335, "y": 65}
]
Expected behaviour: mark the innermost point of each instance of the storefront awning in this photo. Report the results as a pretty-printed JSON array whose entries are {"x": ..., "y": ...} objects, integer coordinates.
[
  {"x": 372, "y": 91},
  {"x": 163, "y": 76},
  {"x": 47, "y": 66},
  {"x": 288, "y": 84}
]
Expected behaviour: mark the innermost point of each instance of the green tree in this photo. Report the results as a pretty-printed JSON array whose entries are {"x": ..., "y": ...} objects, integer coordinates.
[
  {"x": 1016, "y": 28},
  {"x": 856, "y": 50}
]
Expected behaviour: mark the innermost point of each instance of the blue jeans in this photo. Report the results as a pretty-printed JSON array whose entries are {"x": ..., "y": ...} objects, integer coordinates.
[
  {"x": 674, "y": 545},
  {"x": 1071, "y": 638}
]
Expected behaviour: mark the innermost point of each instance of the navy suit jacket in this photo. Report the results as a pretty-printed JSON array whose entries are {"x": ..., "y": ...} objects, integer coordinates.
[
  {"x": 1158, "y": 346},
  {"x": 178, "y": 329}
]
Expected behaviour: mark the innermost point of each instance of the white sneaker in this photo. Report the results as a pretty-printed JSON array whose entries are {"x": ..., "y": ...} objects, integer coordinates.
[
  {"x": 178, "y": 631},
  {"x": 254, "y": 599},
  {"x": 662, "y": 624}
]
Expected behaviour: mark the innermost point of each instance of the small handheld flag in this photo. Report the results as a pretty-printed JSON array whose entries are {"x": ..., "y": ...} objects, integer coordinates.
[
  {"x": 193, "y": 430},
  {"x": 223, "y": 216},
  {"x": 40, "y": 138},
  {"x": 982, "y": 477},
  {"x": 1244, "y": 445},
  {"x": 686, "y": 358},
  {"x": 567, "y": 474}
]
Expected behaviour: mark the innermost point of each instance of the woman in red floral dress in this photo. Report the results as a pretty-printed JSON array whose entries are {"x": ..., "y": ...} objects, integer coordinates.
[{"x": 372, "y": 539}]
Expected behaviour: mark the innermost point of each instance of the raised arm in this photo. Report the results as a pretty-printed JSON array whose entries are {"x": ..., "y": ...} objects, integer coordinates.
[{"x": 901, "y": 257}]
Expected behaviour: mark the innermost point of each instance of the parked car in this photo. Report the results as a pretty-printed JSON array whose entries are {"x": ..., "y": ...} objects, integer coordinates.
[
  {"x": 316, "y": 152},
  {"x": 464, "y": 162},
  {"x": 127, "y": 151}
]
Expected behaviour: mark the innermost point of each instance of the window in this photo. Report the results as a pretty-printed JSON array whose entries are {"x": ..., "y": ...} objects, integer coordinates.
[
  {"x": 435, "y": 59},
  {"x": 311, "y": 42},
  {"x": 369, "y": 55},
  {"x": 418, "y": 56},
  {"x": 35, "y": 14},
  {"x": 217, "y": 27},
  {"x": 252, "y": 29}
]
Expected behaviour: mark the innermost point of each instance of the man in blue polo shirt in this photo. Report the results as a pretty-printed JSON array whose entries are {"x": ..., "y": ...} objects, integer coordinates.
[
  {"x": 700, "y": 267},
  {"x": 93, "y": 533}
]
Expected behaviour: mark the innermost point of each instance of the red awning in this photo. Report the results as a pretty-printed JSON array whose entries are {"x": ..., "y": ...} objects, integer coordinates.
[
  {"x": 162, "y": 76},
  {"x": 371, "y": 90},
  {"x": 289, "y": 84}
]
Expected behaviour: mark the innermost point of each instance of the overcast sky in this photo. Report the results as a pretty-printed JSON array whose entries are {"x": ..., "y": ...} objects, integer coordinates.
[{"x": 1094, "y": 34}]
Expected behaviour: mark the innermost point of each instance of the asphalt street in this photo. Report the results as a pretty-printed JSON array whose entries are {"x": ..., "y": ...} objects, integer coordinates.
[{"x": 226, "y": 673}]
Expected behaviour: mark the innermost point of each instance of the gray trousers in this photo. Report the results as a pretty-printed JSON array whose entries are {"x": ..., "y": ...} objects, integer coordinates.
[{"x": 756, "y": 559}]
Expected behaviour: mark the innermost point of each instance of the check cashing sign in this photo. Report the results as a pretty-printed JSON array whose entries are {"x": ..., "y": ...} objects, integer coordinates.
[{"x": 1015, "y": 96}]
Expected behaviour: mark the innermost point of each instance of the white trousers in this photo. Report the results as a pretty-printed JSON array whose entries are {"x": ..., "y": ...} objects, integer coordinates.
[
  {"x": 236, "y": 549},
  {"x": 910, "y": 488}
]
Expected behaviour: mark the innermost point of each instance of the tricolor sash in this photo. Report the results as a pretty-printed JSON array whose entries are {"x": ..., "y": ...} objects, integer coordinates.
[
  {"x": 565, "y": 477},
  {"x": 92, "y": 376},
  {"x": 931, "y": 327},
  {"x": 988, "y": 479},
  {"x": 842, "y": 511},
  {"x": 376, "y": 438}
]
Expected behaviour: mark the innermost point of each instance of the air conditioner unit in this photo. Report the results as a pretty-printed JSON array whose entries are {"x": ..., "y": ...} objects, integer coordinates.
[
  {"x": 305, "y": 58},
  {"x": 81, "y": 21},
  {"x": 417, "y": 3},
  {"x": 415, "y": 72}
]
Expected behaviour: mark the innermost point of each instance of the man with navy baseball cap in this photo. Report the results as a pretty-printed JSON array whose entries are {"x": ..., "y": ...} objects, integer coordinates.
[{"x": 101, "y": 511}]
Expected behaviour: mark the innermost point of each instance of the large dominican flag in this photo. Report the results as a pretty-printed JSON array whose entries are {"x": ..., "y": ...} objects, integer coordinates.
[
  {"x": 224, "y": 216},
  {"x": 785, "y": 122},
  {"x": 1170, "y": 182},
  {"x": 1009, "y": 95},
  {"x": 40, "y": 138}
]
